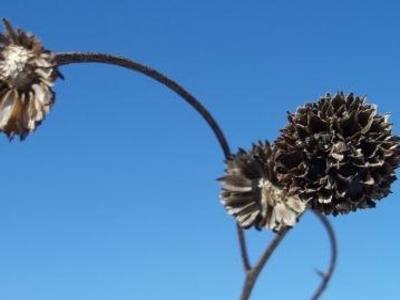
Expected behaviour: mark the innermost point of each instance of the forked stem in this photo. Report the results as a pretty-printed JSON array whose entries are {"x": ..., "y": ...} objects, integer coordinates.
[{"x": 252, "y": 273}]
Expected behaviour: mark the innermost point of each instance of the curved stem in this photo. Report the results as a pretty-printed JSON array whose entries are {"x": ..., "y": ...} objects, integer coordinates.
[
  {"x": 332, "y": 264},
  {"x": 64, "y": 58},
  {"x": 243, "y": 248},
  {"x": 252, "y": 274},
  {"x": 90, "y": 57}
]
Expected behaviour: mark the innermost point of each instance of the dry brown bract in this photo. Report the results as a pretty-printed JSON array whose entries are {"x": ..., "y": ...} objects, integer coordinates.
[
  {"x": 337, "y": 154},
  {"x": 27, "y": 73}
]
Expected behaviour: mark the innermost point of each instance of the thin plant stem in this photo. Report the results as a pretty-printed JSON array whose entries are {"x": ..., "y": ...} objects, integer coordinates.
[
  {"x": 65, "y": 58},
  {"x": 253, "y": 273},
  {"x": 326, "y": 276},
  {"x": 243, "y": 248}
]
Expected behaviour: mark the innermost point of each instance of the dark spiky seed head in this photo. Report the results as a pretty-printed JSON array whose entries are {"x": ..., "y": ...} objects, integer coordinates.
[{"x": 337, "y": 154}]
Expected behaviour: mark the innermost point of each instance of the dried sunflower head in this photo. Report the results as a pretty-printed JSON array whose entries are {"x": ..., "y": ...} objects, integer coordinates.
[
  {"x": 337, "y": 154},
  {"x": 27, "y": 73},
  {"x": 251, "y": 194}
]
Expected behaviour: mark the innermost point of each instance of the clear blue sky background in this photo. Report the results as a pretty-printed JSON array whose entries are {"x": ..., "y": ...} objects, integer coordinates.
[{"x": 115, "y": 197}]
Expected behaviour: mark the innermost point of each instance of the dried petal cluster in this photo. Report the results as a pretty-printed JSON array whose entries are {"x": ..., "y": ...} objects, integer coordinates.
[
  {"x": 337, "y": 154},
  {"x": 250, "y": 193},
  {"x": 27, "y": 73}
]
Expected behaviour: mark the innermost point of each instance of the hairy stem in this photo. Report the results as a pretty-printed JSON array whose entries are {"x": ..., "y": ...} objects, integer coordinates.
[
  {"x": 65, "y": 58},
  {"x": 326, "y": 276}
]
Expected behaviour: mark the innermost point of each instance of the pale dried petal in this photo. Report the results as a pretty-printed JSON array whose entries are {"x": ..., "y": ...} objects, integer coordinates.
[{"x": 6, "y": 106}]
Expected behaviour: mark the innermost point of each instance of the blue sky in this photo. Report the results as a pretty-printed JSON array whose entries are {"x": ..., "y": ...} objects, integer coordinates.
[{"x": 115, "y": 197}]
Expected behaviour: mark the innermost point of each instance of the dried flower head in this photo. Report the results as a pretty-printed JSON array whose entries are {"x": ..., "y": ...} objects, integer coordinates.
[
  {"x": 337, "y": 154},
  {"x": 27, "y": 73},
  {"x": 250, "y": 192}
]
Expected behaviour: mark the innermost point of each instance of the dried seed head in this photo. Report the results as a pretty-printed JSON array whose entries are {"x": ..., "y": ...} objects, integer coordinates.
[
  {"x": 27, "y": 73},
  {"x": 337, "y": 154},
  {"x": 250, "y": 192}
]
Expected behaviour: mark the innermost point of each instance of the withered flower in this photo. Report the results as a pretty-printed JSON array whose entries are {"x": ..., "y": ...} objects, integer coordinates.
[
  {"x": 27, "y": 73},
  {"x": 337, "y": 154},
  {"x": 251, "y": 194}
]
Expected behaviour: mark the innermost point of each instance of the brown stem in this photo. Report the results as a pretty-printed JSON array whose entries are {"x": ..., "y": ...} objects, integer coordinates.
[
  {"x": 95, "y": 57},
  {"x": 252, "y": 274},
  {"x": 243, "y": 248},
  {"x": 332, "y": 264}
]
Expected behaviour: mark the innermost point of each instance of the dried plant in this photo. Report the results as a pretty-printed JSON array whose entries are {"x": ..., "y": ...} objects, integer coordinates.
[
  {"x": 27, "y": 74},
  {"x": 251, "y": 193},
  {"x": 336, "y": 155}
]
